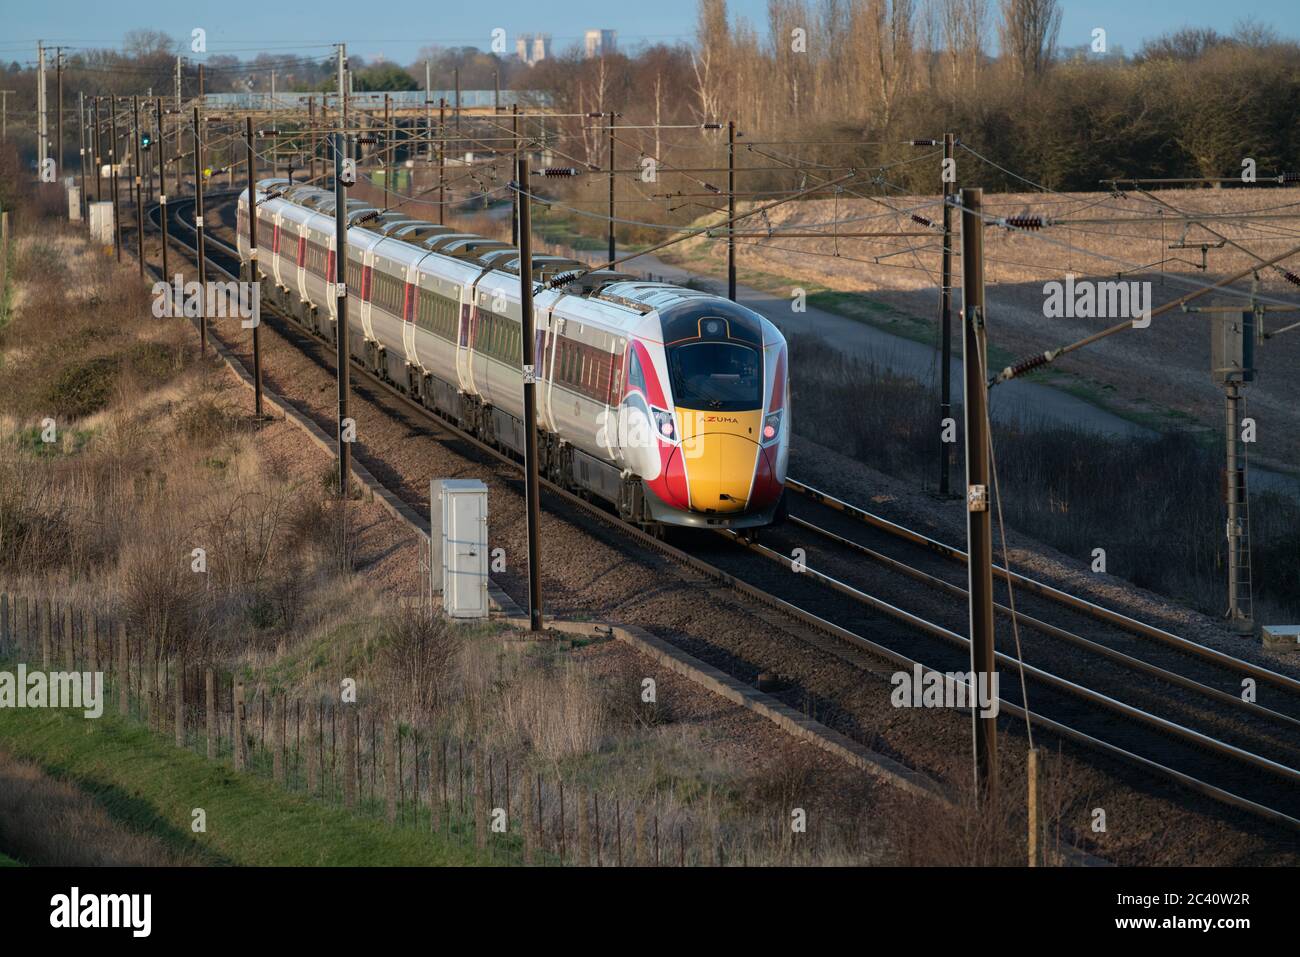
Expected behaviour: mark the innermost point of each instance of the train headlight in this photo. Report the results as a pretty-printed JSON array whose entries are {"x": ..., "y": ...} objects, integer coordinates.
[
  {"x": 771, "y": 426},
  {"x": 665, "y": 425}
]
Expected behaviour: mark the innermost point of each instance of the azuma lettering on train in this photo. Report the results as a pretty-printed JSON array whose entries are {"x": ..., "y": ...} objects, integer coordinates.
[{"x": 213, "y": 299}]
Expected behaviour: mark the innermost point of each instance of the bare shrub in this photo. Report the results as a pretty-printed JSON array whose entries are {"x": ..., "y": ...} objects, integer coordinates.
[
  {"x": 558, "y": 711},
  {"x": 419, "y": 658}
]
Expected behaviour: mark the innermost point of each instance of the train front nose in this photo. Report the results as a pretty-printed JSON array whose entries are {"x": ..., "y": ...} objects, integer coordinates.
[{"x": 720, "y": 454}]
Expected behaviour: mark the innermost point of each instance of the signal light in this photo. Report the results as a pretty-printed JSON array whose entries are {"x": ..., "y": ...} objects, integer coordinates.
[{"x": 146, "y": 141}]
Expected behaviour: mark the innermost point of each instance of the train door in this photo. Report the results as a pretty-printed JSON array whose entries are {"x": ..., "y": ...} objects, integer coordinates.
[
  {"x": 465, "y": 341},
  {"x": 275, "y": 248},
  {"x": 365, "y": 308},
  {"x": 556, "y": 327},
  {"x": 613, "y": 400},
  {"x": 411, "y": 302},
  {"x": 301, "y": 265}
]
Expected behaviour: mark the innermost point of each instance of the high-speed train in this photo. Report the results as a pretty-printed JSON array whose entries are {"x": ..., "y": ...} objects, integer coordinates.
[{"x": 671, "y": 404}]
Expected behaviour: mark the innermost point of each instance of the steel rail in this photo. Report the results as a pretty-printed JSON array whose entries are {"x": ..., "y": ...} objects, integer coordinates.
[
  {"x": 1053, "y": 630},
  {"x": 823, "y": 625},
  {"x": 1048, "y": 591}
]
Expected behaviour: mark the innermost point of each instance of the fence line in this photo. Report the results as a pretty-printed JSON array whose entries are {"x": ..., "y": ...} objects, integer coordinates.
[{"x": 364, "y": 761}]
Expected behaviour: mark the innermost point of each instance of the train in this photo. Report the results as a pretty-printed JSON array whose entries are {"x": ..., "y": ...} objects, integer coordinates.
[{"x": 670, "y": 404}]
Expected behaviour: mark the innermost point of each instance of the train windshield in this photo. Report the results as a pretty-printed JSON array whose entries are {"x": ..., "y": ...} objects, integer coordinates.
[{"x": 724, "y": 376}]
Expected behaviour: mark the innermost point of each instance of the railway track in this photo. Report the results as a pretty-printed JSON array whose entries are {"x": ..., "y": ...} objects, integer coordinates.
[{"x": 1220, "y": 762}]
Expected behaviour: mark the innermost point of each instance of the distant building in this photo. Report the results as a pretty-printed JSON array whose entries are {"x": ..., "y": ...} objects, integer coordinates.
[
  {"x": 532, "y": 48},
  {"x": 600, "y": 42}
]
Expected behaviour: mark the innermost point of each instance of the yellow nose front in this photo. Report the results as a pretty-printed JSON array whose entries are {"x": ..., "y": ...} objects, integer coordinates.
[{"x": 720, "y": 454}]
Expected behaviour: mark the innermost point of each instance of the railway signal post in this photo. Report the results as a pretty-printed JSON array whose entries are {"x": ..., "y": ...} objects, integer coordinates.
[
  {"x": 139, "y": 192},
  {"x": 198, "y": 233},
  {"x": 979, "y": 526},
  {"x": 112, "y": 174},
  {"x": 529, "y": 337},
  {"x": 731, "y": 210},
  {"x": 945, "y": 323},
  {"x": 341, "y": 306},
  {"x": 162, "y": 187},
  {"x": 254, "y": 273},
  {"x": 612, "y": 250}
]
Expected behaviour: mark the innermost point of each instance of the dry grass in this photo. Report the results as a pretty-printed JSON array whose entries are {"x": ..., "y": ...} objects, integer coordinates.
[{"x": 48, "y": 822}]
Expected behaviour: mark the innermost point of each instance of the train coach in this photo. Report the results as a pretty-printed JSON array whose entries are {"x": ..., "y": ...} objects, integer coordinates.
[{"x": 669, "y": 403}]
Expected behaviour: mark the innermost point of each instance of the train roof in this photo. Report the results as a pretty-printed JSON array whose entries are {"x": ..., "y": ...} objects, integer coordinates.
[{"x": 677, "y": 307}]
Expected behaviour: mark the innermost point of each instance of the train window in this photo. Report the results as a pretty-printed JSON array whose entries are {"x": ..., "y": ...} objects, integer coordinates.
[{"x": 724, "y": 376}]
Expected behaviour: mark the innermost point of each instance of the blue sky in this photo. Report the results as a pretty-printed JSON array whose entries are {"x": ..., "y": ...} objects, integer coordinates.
[{"x": 397, "y": 29}]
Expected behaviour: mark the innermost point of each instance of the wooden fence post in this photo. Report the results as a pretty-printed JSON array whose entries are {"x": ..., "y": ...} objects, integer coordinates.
[
  {"x": 45, "y": 634},
  {"x": 436, "y": 770},
  {"x": 480, "y": 801},
  {"x": 90, "y": 634},
  {"x": 584, "y": 831},
  {"x": 24, "y": 629},
  {"x": 313, "y": 744},
  {"x": 349, "y": 758},
  {"x": 390, "y": 770},
  {"x": 277, "y": 739},
  {"x": 239, "y": 750},
  {"x": 180, "y": 707},
  {"x": 640, "y": 850},
  {"x": 210, "y": 711},
  {"x": 123, "y": 672},
  {"x": 69, "y": 643},
  {"x": 151, "y": 682}
]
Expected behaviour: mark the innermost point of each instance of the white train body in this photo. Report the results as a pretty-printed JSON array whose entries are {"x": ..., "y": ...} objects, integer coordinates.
[{"x": 669, "y": 403}]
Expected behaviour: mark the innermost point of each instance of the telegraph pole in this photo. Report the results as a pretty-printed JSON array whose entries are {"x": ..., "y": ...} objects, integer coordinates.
[
  {"x": 41, "y": 108},
  {"x": 162, "y": 188},
  {"x": 139, "y": 191},
  {"x": 81, "y": 137},
  {"x": 96, "y": 148},
  {"x": 343, "y": 93},
  {"x": 178, "y": 96},
  {"x": 514, "y": 196},
  {"x": 731, "y": 210},
  {"x": 198, "y": 227},
  {"x": 254, "y": 272},
  {"x": 112, "y": 175},
  {"x": 58, "y": 109},
  {"x": 386, "y": 157},
  {"x": 979, "y": 528},
  {"x": 612, "y": 115},
  {"x": 945, "y": 322},
  {"x": 529, "y": 337},
  {"x": 428, "y": 110},
  {"x": 442, "y": 159},
  {"x": 457, "y": 72},
  {"x": 4, "y": 113},
  {"x": 341, "y": 304}
]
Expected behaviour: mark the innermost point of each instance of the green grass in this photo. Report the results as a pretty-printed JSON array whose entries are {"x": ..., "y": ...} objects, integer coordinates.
[
  {"x": 7, "y": 861},
  {"x": 148, "y": 784}
]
